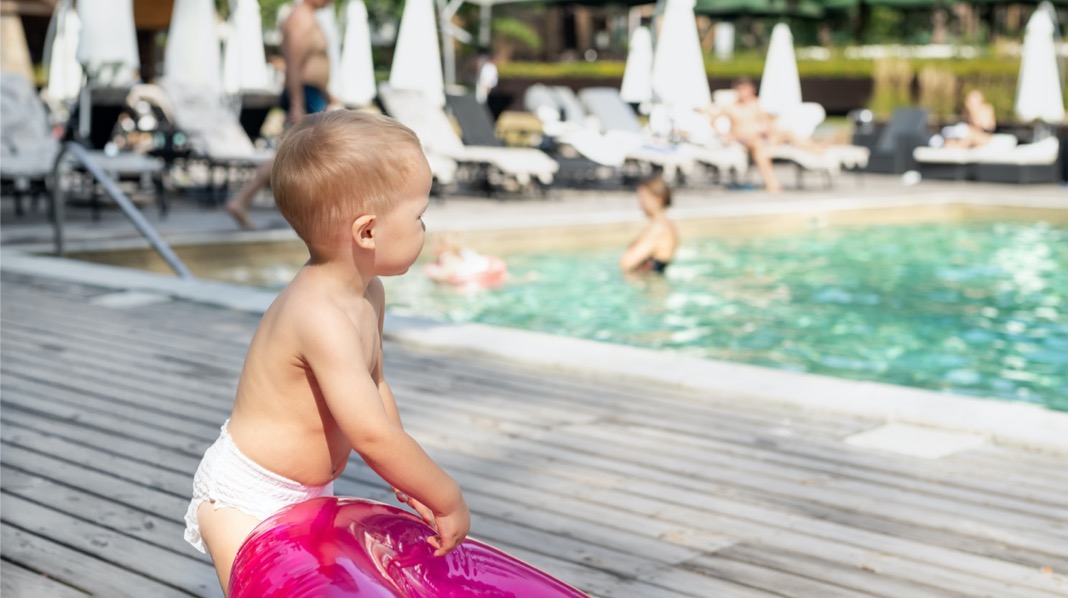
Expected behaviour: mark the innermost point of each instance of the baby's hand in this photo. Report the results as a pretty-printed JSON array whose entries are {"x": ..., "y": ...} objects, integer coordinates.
[{"x": 452, "y": 529}]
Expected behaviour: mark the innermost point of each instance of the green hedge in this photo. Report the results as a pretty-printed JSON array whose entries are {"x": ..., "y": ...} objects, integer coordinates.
[
  {"x": 995, "y": 76},
  {"x": 752, "y": 65}
]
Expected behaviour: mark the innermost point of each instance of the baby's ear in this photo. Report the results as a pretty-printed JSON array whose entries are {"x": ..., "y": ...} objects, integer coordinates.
[{"x": 363, "y": 231}]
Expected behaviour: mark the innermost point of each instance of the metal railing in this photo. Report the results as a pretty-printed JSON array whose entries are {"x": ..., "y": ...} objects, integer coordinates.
[{"x": 109, "y": 186}]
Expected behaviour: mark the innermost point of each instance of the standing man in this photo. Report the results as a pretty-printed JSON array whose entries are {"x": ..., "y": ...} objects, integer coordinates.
[{"x": 304, "y": 48}]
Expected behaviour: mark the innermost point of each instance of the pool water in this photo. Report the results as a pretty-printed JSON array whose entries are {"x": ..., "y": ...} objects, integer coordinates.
[{"x": 976, "y": 308}]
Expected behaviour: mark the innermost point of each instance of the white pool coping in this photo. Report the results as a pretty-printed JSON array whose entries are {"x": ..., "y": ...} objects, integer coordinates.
[{"x": 1013, "y": 424}]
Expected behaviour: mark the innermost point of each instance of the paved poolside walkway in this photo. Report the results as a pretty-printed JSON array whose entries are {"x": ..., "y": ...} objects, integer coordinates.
[
  {"x": 191, "y": 222},
  {"x": 620, "y": 487}
]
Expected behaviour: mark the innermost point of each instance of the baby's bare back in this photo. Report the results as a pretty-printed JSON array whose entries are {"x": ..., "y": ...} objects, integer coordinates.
[{"x": 280, "y": 419}]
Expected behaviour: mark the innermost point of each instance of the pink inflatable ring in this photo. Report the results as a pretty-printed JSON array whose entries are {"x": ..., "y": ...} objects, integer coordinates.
[{"x": 342, "y": 547}]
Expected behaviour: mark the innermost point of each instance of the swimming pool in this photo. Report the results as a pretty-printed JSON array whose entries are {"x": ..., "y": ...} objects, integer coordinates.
[
  {"x": 976, "y": 308},
  {"x": 967, "y": 299}
]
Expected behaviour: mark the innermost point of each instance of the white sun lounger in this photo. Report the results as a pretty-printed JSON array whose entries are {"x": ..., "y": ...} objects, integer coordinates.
[
  {"x": 621, "y": 126},
  {"x": 29, "y": 151},
  {"x": 802, "y": 121},
  {"x": 1001, "y": 160},
  {"x": 552, "y": 111},
  {"x": 214, "y": 132},
  {"x": 217, "y": 136},
  {"x": 495, "y": 166}
]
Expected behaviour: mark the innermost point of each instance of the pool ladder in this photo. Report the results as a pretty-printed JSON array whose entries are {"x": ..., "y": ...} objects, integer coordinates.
[{"x": 80, "y": 154}]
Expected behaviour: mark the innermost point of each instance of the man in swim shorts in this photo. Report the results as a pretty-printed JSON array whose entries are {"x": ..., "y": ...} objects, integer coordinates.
[{"x": 304, "y": 48}]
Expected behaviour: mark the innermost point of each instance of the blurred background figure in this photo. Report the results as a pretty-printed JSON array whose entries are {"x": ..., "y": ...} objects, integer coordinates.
[
  {"x": 463, "y": 266},
  {"x": 655, "y": 247},
  {"x": 307, "y": 69},
  {"x": 488, "y": 76},
  {"x": 978, "y": 125}
]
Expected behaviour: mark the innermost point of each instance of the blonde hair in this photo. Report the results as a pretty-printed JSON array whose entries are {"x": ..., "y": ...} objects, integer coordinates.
[
  {"x": 335, "y": 166},
  {"x": 656, "y": 185}
]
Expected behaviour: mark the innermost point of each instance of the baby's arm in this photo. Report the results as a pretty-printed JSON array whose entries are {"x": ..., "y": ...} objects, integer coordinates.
[
  {"x": 333, "y": 350},
  {"x": 378, "y": 298}
]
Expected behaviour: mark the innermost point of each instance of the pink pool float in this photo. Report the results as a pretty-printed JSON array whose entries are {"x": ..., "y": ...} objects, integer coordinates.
[
  {"x": 345, "y": 547},
  {"x": 464, "y": 267}
]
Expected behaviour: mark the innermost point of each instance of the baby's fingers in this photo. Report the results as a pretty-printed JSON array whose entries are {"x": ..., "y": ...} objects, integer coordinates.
[
  {"x": 444, "y": 544},
  {"x": 440, "y": 548}
]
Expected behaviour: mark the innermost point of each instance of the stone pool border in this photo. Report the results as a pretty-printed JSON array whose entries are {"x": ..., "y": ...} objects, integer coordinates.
[{"x": 1013, "y": 424}]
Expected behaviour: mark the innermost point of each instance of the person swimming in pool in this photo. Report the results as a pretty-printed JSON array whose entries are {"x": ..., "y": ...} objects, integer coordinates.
[{"x": 655, "y": 247}]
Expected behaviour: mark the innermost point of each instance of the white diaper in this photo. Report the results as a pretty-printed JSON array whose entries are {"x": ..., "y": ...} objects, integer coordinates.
[{"x": 227, "y": 478}]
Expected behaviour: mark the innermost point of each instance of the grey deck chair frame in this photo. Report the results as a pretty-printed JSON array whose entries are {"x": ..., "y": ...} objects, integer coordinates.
[{"x": 892, "y": 147}]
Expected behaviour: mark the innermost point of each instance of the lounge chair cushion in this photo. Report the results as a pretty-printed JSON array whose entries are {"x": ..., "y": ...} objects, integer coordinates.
[
  {"x": 214, "y": 131},
  {"x": 1039, "y": 153},
  {"x": 437, "y": 135}
]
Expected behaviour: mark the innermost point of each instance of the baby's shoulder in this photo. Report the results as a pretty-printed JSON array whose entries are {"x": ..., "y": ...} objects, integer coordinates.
[{"x": 306, "y": 307}]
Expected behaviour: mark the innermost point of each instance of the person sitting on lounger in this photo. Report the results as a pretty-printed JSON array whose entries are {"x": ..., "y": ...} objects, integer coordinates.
[
  {"x": 756, "y": 130},
  {"x": 979, "y": 123},
  {"x": 655, "y": 247}
]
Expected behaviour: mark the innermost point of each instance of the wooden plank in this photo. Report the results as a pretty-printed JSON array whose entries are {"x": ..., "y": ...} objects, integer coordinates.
[
  {"x": 126, "y": 428},
  {"x": 743, "y": 519},
  {"x": 690, "y": 478},
  {"x": 148, "y": 513},
  {"x": 18, "y": 582},
  {"x": 932, "y": 510},
  {"x": 96, "y": 399},
  {"x": 698, "y": 583},
  {"x": 189, "y": 575},
  {"x": 145, "y": 452},
  {"x": 87, "y": 456},
  {"x": 774, "y": 581},
  {"x": 860, "y": 577}
]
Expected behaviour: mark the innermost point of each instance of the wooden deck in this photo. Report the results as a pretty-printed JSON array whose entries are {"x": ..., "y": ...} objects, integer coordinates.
[{"x": 615, "y": 486}]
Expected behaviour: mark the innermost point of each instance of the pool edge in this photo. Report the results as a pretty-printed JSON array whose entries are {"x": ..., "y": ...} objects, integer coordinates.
[{"x": 1013, "y": 424}]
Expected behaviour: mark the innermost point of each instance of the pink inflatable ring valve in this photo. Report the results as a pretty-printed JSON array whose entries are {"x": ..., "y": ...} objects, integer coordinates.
[{"x": 341, "y": 547}]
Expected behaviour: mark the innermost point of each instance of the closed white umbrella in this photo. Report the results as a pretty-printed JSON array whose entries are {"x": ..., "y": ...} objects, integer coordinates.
[
  {"x": 192, "y": 57},
  {"x": 327, "y": 20},
  {"x": 417, "y": 56},
  {"x": 1038, "y": 87},
  {"x": 637, "y": 86},
  {"x": 780, "y": 85},
  {"x": 244, "y": 61},
  {"x": 61, "y": 53},
  {"x": 679, "y": 78},
  {"x": 357, "y": 85},
  {"x": 108, "y": 42}
]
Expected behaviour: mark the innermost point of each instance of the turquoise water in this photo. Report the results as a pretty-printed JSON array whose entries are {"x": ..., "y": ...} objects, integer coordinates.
[{"x": 977, "y": 308}]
